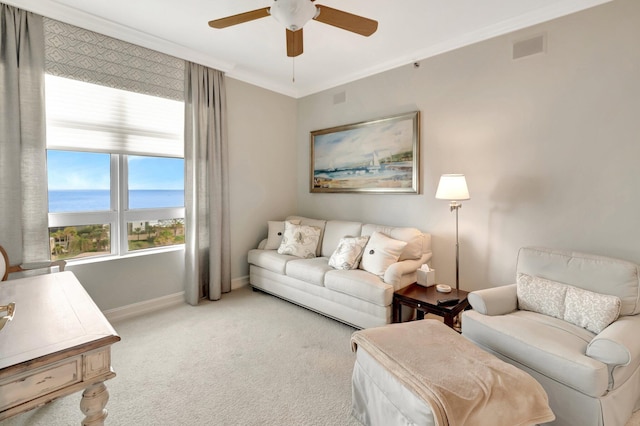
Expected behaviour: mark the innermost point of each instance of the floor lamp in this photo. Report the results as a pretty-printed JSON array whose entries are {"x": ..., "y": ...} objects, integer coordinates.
[{"x": 454, "y": 188}]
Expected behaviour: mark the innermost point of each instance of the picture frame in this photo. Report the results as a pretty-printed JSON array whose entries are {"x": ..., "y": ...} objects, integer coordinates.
[{"x": 378, "y": 156}]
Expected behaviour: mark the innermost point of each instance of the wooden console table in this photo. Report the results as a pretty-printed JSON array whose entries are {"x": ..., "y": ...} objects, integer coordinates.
[{"x": 57, "y": 343}]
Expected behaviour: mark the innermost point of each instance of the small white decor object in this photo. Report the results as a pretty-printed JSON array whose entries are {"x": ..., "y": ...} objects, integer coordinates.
[
  {"x": 443, "y": 288},
  {"x": 426, "y": 276}
]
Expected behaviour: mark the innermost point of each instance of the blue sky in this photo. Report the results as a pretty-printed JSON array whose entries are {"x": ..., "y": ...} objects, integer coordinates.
[{"x": 85, "y": 170}]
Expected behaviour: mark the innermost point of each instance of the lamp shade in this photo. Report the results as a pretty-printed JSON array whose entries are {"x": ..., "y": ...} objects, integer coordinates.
[{"x": 452, "y": 187}]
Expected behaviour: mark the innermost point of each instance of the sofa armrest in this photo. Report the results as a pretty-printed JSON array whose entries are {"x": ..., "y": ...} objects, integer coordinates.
[
  {"x": 617, "y": 344},
  {"x": 494, "y": 301},
  {"x": 393, "y": 274}
]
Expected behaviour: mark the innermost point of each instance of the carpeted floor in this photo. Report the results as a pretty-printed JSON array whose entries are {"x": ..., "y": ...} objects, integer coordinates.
[{"x": 249, "y": 359}]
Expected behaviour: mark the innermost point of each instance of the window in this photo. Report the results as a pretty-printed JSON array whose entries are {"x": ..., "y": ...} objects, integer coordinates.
[
  {"x": 115, "y": 170},
  {"x": 155, "y": 185}
]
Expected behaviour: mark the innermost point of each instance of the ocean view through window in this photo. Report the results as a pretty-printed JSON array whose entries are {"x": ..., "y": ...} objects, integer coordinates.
[
  {"x": 159, "y": 212},
  {"x": 68, "y": 200}
]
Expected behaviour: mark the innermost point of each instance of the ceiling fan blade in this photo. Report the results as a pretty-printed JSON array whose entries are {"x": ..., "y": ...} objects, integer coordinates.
[
  {"x": 294, "y": 43},
  {"x": 239, "y": 18},
  {"x": 346, "y": 21}
]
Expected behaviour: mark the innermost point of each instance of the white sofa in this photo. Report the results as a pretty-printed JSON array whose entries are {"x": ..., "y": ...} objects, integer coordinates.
[
  {"x": 355, "y": 297},
  {"x": 547, "y": 325}
]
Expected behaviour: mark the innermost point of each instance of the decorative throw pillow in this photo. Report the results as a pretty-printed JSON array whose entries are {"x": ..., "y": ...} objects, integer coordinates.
[
  {"x": 299, "y": 240},
  {"x": 413, "y": 237},
  {"x": 593, "y": 311},
  {"x": 348, "y": 253},
  {"x": 318, "y": 223},
  {"x": 276, "y": 231},
  {"x": 540, "y": 295},
  {"x": 380, "y": 253}
]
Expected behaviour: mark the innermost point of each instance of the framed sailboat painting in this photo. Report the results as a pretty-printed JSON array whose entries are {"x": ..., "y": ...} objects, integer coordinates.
[{"x": 378, "y": 156}]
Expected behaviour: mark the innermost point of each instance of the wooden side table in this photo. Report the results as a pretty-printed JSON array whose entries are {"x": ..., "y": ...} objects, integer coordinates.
[{"x": 425, "y": 301}]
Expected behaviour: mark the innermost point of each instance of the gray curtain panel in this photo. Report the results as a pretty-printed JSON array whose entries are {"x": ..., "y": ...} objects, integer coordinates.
[
  {"x": 207, "y": 245},
  {"x": 23, "y": 175}
]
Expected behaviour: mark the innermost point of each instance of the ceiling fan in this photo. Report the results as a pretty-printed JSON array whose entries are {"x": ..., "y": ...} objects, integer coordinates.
[{"x": 293, "y": 14}]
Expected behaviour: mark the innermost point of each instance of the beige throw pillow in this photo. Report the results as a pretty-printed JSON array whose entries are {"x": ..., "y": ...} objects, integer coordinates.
[
  {"x": 276, "y": 232},
  {"x": 413, "y": 237},
  {"x": 593, "y": 311},
  {"x": 540, "y": 295},
  {"x": 348, "y": 253},
  {"x": 299, "y": 240},
  {"x": 380, "y": 253}
]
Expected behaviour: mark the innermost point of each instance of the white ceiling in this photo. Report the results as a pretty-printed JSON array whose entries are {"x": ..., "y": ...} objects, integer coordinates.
[{"x": 255, "y": 52}]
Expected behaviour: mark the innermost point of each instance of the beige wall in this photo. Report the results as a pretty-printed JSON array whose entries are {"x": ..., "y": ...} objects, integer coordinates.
[
  {"x": 262, "y": 158},
  {"x": 549, "y": 143}
]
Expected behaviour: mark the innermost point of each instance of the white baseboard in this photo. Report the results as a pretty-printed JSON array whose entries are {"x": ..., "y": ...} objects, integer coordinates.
[
  {"x": 237, "y": 283},
  {"x": 145, "y": 307}
]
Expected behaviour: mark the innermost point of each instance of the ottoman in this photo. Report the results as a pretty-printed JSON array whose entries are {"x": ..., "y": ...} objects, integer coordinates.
[{"x": 424, "y": 373}]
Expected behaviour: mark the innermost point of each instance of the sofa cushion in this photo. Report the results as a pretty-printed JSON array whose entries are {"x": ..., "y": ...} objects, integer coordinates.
[
  {"x": 334, "y": 230},
  {"x": 318, "y": 223},
  {"x": 550, "y": 346},
  {"x": 275, "y": 233},
  {"x": 269, "y": 259},
  {"x": 381, "y": 252},
  {"x": 412, "y": 236},
  {"x": 309, "y": 270},
  {"x": 360, "y": 284},
  {"x": 299, "y": 240},
  {"x": 540, "y": 295},
  {"x": 599, "y": 274},
  {"x": 348, "y": 253},
  {"x": 590, "y": 310}
]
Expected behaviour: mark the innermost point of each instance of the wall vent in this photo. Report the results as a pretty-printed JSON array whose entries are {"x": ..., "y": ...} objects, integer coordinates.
[{"x": 530, "y": 46}]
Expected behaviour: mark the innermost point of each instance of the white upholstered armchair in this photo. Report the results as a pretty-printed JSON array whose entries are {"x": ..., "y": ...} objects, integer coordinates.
[{"x": 572, "y": 322}]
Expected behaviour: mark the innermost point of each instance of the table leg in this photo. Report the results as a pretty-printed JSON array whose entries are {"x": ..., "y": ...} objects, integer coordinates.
[
  {"x": 448, "y": 320},
  {"x": 94, "y": 399},
  {"x": 397, "y": 312}
]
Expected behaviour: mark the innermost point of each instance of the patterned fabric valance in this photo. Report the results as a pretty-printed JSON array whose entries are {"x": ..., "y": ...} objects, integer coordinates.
[{"x": 84, "y": 55}]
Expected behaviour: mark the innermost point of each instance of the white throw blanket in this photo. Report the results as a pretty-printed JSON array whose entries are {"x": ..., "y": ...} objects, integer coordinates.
[{"x": 462, "y": 384}]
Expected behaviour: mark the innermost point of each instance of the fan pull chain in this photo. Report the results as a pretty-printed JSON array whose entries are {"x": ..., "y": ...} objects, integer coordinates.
[{"x": 293, "y": 69}]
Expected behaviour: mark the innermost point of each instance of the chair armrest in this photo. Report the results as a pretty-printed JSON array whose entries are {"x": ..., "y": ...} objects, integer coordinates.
[
  {"x": 61, "y": 264},
  {"x": 32, "y": 266},
  {"x": 393, "y": 274},
  {"x": 617, "y": 344},
  {"x": 495, "y": 300}
]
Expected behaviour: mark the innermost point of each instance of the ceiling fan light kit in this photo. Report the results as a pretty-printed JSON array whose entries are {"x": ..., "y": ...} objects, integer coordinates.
[{"x": 294, "y": 14}]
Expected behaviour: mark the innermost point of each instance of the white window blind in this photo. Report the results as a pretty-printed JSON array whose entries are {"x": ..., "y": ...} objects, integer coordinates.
[{"x": 89, "y": 117}]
